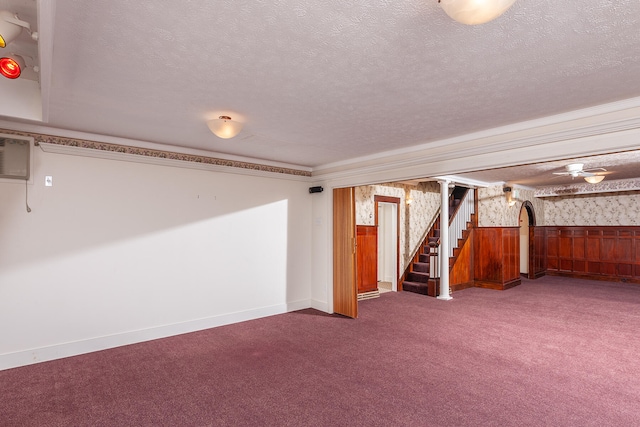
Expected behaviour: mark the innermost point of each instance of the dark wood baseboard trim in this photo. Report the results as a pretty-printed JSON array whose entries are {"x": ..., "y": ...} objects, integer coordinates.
[
  {"x": 594, "y": 277},
  {"x": 461, "y": 286},
  {"x": 497, "y": 286}
]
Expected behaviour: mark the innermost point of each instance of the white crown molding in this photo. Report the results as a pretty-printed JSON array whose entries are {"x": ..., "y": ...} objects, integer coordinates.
[
  {"x": 474, "y": 183},
  {"x": 65, "y": 133},
  {"x": 550, "y": 132},
  {"x": 127, "y": 157}
]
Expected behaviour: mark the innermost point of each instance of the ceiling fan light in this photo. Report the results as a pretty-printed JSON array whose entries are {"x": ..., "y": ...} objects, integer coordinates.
[
  {"x": 11, "y": 66},
  {"x": 10, "y": 27},
  {"x": 475, "y": 12},
  {"x": 224, "y": 127},
  {"x": 594, "y": 179}
]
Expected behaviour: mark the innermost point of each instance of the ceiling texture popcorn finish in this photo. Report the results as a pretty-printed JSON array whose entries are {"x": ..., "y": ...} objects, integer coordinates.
[{"x": 316, "y": 83}]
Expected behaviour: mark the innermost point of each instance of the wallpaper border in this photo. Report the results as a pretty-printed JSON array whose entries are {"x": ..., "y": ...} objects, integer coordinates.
[{"x": 153, "y": 153}]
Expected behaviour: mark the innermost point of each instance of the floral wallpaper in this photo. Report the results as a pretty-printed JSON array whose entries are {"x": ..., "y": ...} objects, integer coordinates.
[
  {"x": 415, "y": 218},
  {"x": 568, "y": 210},
  {"x": 492, "y": 207},
  {"x": 494, "y": 210},
  {"x": 594, "y": 209},
  {"x": 607, "y": 186}
]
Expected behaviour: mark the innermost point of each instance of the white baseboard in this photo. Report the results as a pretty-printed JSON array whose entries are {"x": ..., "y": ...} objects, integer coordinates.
[
  {"x": 320, "y": 305},
  {"x": 59, "y": 351}
]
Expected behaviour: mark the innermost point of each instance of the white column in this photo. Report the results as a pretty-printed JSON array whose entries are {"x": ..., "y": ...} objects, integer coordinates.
[{"x": 443, "y": 251}]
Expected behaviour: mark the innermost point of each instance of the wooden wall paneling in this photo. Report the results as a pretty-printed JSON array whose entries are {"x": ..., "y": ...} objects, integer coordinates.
[
  {"x": 461, "y": 274},
  {"x": 553, "y": 264},
  {"x": 511, "y": 254},
  {"x": 596, "y": 252},
  {"x": 367, "y": 258},
  {"x": 578, "y": 247},
  {"x": 496, "y": 259},
  {"x": 486, "y": 261},
  {"x": 565, "y": 252},
  {"x": 539, "y": 251}
]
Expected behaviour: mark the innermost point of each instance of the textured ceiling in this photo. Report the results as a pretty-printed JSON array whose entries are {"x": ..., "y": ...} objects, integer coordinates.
[
  {"x": 320, "y": 82},
  {"x": 618, "y": 166}
]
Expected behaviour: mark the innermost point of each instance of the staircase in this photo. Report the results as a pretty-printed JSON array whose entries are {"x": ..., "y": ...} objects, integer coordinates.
[{"x": 417, "y": 277}]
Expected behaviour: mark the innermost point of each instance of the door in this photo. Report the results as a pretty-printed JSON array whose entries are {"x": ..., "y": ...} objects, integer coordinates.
[
  {"x": 387, "y": 211},
  {"x": 345, "y": 295},
  {"x": 388, "y": 243}
]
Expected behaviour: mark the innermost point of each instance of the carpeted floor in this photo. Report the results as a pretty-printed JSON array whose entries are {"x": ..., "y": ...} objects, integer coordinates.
[{"x": 551, "y": 352}]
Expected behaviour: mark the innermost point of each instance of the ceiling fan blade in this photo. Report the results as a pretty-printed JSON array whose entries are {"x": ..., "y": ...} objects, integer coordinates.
[
  {"x": 561, "y": 173},
  {"x": 585, "y": 174}
]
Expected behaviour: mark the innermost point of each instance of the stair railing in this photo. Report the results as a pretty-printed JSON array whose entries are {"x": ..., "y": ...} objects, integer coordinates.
[
  {"x": 458, "y": 222},
  {"x": 434, "y": 265}
]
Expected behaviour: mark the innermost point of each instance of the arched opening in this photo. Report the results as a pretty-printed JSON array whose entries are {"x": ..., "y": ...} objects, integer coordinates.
[{"x": 527, "y": 222}]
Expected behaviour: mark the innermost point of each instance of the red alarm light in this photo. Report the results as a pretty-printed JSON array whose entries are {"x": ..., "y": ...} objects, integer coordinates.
[{"x": 11, "y": 67}]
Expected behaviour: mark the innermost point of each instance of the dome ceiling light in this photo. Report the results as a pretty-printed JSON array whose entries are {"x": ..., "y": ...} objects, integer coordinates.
[
  {"x": 475, "y": 12},
  {"x": 594, "y": 179},
  {"x": 224, "y": 127}
]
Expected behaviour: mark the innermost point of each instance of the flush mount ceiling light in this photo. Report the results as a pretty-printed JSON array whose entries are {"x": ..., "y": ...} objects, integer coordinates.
[
  {"x": 594, "y": 179},
  {"x": 475, "y": 12},
  {"x": 11, "y": 27},
  {"x": 11, "y": 66},
  {"x": 224, "y": 127}
]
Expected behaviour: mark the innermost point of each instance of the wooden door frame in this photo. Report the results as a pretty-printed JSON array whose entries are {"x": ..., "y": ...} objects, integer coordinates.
[
  {"x": 396, "y": 201},
  {"x": 531, "y": 214}
]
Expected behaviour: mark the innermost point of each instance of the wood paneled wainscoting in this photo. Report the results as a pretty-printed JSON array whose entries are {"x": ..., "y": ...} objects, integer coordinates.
[
  {"x": 496, "y": 260},
  {"x": 594, "y": 252},
  {"x": 367, "y": 258},
  {"x": 537, "y": 252}
]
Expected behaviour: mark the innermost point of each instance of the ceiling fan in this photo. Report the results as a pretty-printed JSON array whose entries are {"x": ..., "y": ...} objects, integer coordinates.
[{"x": 577, "y": 169}]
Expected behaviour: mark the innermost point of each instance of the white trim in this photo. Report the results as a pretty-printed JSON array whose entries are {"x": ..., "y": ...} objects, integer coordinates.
[
  {"x": 59, "y": 351},
  {"x": 136, "y": 158},
  {"x": 591, "y": 123},
  {"x": 466, "y": 181},
  {"x": 320, "y": 305},
  {"x": 65, "y": 133},
  {"x": 46, "y": 16}
]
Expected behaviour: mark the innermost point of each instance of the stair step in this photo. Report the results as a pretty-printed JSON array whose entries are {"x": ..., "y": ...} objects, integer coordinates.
[
  {"x": 418, "y": 288},
  {"x": 417, "y": 276},
  {"x": 422, "y": 267},
  {"x": 424, "y": 258}
]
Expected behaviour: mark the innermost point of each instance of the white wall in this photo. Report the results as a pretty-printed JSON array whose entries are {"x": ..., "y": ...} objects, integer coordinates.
[{"x": 119, "y": 252}]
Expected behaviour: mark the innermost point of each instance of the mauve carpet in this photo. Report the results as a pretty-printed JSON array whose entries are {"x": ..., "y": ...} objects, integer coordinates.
[{"x": 551, "y": 352}]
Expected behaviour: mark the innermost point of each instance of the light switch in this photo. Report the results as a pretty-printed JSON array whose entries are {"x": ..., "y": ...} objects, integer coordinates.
[{"x": 48, "y": 181}]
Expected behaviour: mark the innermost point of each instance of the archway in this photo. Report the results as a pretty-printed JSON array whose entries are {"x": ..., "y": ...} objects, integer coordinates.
[{"x": 527, "y": 222}]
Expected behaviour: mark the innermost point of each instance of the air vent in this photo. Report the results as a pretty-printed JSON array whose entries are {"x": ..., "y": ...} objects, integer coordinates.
[{"x": 14, "y": 158}]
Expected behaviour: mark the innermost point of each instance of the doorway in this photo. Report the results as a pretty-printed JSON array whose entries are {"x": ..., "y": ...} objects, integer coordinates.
[
  {"x": 524, "y": 241},
  {"x": 387, "y": 222},
  {"x": 527, "y": 222}
]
